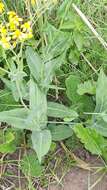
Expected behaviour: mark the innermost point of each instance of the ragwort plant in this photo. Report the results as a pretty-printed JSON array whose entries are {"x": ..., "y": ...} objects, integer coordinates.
[
  {"x": 28, "y": 75},
  {"x": 31, "y": 94}
]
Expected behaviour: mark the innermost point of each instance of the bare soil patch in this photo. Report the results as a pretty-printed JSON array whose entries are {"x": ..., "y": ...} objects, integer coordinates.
[{"x": 79, "y": 179}]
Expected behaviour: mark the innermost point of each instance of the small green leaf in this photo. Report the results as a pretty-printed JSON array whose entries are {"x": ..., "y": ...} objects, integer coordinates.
[
  {"x": 71, "y": 84},
  {"x": 78, "y": 39},
  {"x": 87, "y": 87},
  {"x": 92, "y": 141},
  {"x": 61, "y": 111},
  {"x": 60, "y": 132},
  {"x": 9, "y": 137},
  {"x": 6, "y": 100},
  {"x": 74, "y": 56},
  {"x": 84, "y": 103},
  {"x": 7, "y": 144},
  {"x": 53, "y": 146},
  {"x": 41, "y": 141},
  {"x": 30, "y": 166}
]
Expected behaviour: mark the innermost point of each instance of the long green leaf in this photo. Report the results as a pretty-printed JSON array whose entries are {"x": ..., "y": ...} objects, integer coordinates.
[
  {"x": 99, "y": 119},
  {"x": 50, "y": 68},
  {"x": 17, "y": 118},
  {"x": 41, "y": 141},
  {"x": 60, "y": 111},
  {"x": 101, "y": 93},
  {"x": 38, "y": 105},
  {"x": 34, "y": 62}
]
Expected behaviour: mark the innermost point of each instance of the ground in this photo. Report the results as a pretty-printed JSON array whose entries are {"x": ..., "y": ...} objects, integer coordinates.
[
  {"x": 79, "y": 179},
  {"x": 88, "y": 174}
]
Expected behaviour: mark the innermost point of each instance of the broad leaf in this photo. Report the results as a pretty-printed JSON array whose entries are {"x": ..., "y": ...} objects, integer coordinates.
[
  {"x": 100, "y": 125},
  {"x": 84, "y": 103},
  {"x": 60, "y": 111},
  {"x": 99, "y": 120},
  {"x": 58, "y": 41},
  {"x": 37, "y": 97},
  {"x": 60, "y": 132},
  {"x": 17, "y": 118},
  {"x": 92, "y": 141},
  {"x": 41, "y": 141},
  {"x": 101, "y": 93},
  {"x": 50, "y": 68},
  {"x": 38, "y": 105},
  {"x": 35, "y": 63},
  {"x": 72, "y": 83}
]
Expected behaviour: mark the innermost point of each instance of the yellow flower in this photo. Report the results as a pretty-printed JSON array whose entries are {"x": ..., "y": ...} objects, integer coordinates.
[
  {"x": 16, "y": 34},
  {"x": 3, "y": 30},
  {"x": 14, "y": 31},
  {"x": 15, "y": 20},
  {"x": 12, "y": 26},
  {"x": 26, "y": 26},
  {"x": 1, "y": 7},
  {"x": 5, "y": 42},
  {"x": 11, "y": 13}
]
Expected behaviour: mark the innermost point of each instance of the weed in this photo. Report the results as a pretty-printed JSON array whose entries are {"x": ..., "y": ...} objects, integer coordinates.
[{"x": 53, "y": 85}]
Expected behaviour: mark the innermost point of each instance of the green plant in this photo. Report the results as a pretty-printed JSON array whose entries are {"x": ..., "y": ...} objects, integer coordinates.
[
  {"x": 34, "y": 116},
  {"x": 7, "y": 143},
  {"x": 30, "y": 166},
  {"x": 29, "y": 68},
  {"x": 93, "y": 135},
  {"x": 52, "y": 88},
  {"x": 29, "y": 88}
]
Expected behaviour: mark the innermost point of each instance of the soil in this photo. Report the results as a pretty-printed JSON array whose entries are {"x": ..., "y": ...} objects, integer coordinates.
[
  {"x": 79, "y": 179},
  {"x": 75, "y": 179}
]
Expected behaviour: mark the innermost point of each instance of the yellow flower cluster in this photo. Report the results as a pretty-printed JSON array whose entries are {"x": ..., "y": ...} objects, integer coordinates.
[
  {"x": 14, "y": 30},
  {"x": 1, "y": 7}
]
